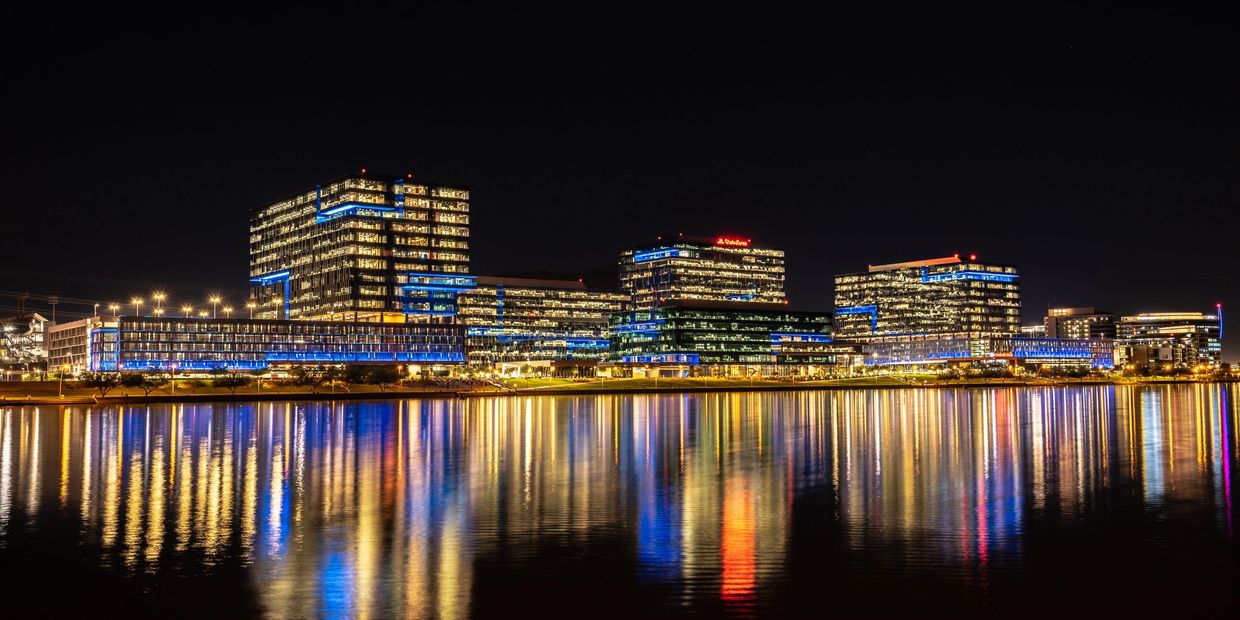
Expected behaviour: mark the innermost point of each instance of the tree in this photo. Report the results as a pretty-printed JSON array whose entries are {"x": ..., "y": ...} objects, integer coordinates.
[
  {"x": 315, "y": 376},
  {"x": 382, "y": 376},
  {"x": 232, "y": 382},
  {"x": 153, "y": 380},
  {"x": 103, "y": 381},
  {"x": 132, "y": 379}
]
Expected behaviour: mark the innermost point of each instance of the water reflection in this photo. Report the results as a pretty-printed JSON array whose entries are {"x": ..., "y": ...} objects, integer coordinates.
[{"x": 703, "y": 502}]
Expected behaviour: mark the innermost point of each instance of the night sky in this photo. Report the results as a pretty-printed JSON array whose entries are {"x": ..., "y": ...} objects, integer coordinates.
[{"x": 1095, "y": 149}]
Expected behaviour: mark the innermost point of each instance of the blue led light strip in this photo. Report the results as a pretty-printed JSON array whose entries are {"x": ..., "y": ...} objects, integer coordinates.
[
  {"x": 641, "y": 257},
  {"x": 983, "y": 276},
  {"x": 870, "y": 310}
]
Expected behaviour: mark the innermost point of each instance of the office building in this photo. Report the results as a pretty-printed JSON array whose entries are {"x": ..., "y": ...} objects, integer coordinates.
[
  {"x": 1170, "y": 340},
  {"x": 364, "y": 247},
  {"x": 685, "y": 269},
  {"x": 136, "y": 343},
  {"x": 734, "y": 336},
  {"x": 934, "y": 298},
  {"x": 523, "y": 320},
  {"x": 1079, "y": 323},
  {"x": 929, "y": 353},
  {"x": 23, "y": 344}
]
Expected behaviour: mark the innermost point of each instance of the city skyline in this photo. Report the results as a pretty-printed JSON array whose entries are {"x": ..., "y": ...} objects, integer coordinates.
[{"x": 1059, "y": 145}]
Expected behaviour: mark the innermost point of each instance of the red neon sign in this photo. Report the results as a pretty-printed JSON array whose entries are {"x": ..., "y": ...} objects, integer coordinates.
[{"x": 735, "y": 242}]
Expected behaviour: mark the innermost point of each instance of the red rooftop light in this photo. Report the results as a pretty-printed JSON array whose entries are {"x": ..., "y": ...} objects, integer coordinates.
[
  {"x": 973, "y": 257},
  {"x": 363, "y": 171}
]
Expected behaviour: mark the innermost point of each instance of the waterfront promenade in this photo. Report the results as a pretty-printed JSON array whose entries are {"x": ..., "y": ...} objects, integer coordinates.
[{"x": 47, "y": 392}]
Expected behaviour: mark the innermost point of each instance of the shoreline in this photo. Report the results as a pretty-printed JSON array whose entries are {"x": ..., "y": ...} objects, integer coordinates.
[{"x": 570, "y": 390}]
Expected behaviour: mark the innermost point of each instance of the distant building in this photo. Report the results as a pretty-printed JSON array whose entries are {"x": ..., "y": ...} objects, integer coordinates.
[
  {"x": 23, "y": 343},
  {"x": 1174, "y": 339},
  {"x": 731, "y": 335},
  {"x": 1079, "y": 323},
  {"x": 364, "y": 247},
  {"x": 134, "y": 343},
  {"x": 1076, "y": 352},
  {"x": 933, "y": 298},
  {"x": 1033, "y": 331},
  {"x": 534, "y": 320},
  {"x": 687, "y": 269}
]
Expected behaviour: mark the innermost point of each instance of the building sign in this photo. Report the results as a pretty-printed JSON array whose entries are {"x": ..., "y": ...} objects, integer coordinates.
[{"x": 735, "y": 242}]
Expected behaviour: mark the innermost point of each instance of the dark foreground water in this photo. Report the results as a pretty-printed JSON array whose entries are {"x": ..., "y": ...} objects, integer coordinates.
[{"x": 1071, "y": 502}]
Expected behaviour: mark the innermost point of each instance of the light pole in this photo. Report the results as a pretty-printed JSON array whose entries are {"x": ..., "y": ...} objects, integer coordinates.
[
  {"x": 96, "y": 312},
  {"x": 187, "y": 311},
  {"x": 63, "y": 369},
  {"x": 137, "y": 303},
  {"x": 228, "y": 312},
  {"x": 215, "y": 301},
  {"x": 250, "y": 305},
  {"x": 159, "y": 297},
  {"x": 114, "y": 308},
  {"x": 158, "y": 311}
]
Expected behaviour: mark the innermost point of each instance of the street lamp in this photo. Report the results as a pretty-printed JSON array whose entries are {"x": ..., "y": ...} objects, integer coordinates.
[
  {"x": 137, "y": 303},
  {"x": 251, "y": 305},
  {"x": 202, "y": 314},
  {"x": 186, "y": 311},
  {"x": 159, "y": 297},
  {"x": 114, "y": 308},
  {"x": 96, "y": 312},
  {"x": 158, "y": 311},
  {"x": 63, "y": 369},
  {"x": 215, "y": 301},
  {"x": 227, "y": 312}
]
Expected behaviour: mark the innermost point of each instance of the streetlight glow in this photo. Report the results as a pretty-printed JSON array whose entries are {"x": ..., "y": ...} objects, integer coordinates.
[{"x": 137, "y": 303}]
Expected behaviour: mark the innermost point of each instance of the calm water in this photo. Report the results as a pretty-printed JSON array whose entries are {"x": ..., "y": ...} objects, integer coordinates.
[{"x": 1076, "y": 501}]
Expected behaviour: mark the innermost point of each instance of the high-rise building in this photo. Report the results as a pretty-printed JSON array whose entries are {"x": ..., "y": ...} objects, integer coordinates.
[
  {"x": 686, "y": 269},
  {"x": 365, "y": 247},
  {"x": 934, "y": 298},
  {"x": 1079, "y": 323},
  {"x": 1174, "y": 339},
  {"x": 536, "y": 320}
]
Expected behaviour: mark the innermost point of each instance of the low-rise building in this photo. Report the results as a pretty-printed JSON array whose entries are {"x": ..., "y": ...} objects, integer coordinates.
[
  {"x": 929, "y": 352},
  {"x": 23, "y": 344},
  {"x": 734, "y": 338},
  {"x": 1079, "y": 323},
  {"x": 1170, "y": 340},
  {"x": 513, "y": 320},
  {"x": 183, "y": 344}
]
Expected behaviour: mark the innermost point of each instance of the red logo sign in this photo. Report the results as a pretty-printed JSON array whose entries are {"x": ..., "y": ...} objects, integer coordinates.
[{"x": 735, "y": 242}]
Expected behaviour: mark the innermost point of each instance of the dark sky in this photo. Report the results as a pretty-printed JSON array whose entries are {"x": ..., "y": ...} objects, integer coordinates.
[{"x": 1096, "y": 149}]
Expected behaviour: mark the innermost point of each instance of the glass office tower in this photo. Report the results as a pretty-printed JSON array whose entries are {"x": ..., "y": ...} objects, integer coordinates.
[
  {"x": 365, "y": 247},
  {"x": 524, "y": 320},
  {"x": 690, "y": 269},
  {"x": 934, "y": 298},
  {"x": 1079, "y": 323}
]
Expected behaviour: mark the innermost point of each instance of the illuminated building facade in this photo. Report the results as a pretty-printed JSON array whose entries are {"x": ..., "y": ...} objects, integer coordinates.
[
  {"x": 522, "y": 320},
  {"x": 1076, "y": 352},
  {"x": 1174, "y": 339},
  {"x": 726, "y": 333},
  {"x": 366, "y": 247},
  {"x": 23, "y": 341},
  {"x": 200, "y": 344},
  {"x": 1079, "y": 323},
  {"x": 691, "y": 269},
  {"x": 937, "y": 298}
]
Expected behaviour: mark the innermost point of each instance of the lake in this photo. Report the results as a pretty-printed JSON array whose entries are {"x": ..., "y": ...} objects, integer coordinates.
[{"x": 1017, "y": 501}]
